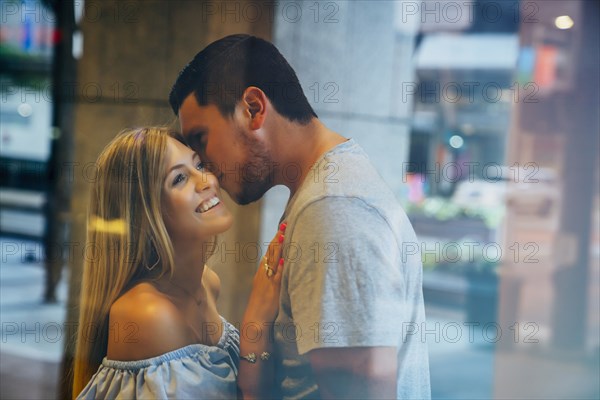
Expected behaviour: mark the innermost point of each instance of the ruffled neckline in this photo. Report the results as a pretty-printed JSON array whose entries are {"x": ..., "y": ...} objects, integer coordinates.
[{"x": 229, "y": 331}]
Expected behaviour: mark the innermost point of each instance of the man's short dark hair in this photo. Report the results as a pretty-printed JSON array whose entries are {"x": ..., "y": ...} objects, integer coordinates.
[{"x": 221, "y": 72}]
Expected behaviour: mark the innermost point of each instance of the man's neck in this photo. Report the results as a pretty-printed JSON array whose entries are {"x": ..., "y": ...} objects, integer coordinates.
[{"x": 302, "y": 146}]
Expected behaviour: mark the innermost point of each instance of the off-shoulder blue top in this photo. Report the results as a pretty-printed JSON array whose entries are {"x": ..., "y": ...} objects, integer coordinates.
[{"x": 196, "y": 371}]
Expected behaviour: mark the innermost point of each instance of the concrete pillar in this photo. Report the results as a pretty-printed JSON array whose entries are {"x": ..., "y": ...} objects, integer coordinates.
[{"x": 352, "y": 59}]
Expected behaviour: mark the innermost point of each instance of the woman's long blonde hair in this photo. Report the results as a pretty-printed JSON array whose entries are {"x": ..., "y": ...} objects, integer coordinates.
[{"x": 126, "y": 237}]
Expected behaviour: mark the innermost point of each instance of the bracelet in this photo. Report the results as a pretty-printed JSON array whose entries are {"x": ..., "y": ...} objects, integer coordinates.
[{"x": 251, "y": 357}]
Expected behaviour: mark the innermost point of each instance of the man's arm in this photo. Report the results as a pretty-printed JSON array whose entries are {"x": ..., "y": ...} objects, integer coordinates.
[{"x": 355, "y": 372}]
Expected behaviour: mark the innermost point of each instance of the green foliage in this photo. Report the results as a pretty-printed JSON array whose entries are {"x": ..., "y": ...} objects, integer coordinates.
[
  {"x": 469, "y": 261},
  {"x": 444, "y": 209}
]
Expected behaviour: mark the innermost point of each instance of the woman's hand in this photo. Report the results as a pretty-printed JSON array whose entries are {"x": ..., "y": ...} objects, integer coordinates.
[
  {"x": 256, "y": 369},
  {"x": 263, "y": 304}
]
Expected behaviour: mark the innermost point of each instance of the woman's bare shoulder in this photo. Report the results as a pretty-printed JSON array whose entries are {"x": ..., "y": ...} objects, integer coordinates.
[
  {"x": 213, "y": 281},
  {"x": 145, "y": 323}
]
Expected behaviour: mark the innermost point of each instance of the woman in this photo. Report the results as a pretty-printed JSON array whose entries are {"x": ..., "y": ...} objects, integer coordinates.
[{"x": 149, "y": 326}]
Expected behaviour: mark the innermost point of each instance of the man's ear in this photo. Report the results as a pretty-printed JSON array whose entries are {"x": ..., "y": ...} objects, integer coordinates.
[{"x": 255, "y": 106}]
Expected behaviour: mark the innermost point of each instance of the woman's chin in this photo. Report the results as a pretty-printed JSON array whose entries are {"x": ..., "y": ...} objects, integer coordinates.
[{"x": 219, "y": 225}]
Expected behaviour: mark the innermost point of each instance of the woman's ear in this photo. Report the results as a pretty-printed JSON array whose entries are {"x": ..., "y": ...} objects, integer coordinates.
[{"x": 255, "y": 104}]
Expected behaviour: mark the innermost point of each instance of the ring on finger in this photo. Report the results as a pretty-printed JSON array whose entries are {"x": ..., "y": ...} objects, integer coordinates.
[{"x": 269, "y": 270}]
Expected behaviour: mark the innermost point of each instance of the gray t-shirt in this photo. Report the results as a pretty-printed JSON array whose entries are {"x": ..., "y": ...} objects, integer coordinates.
[{"x": 352, "y": 277}]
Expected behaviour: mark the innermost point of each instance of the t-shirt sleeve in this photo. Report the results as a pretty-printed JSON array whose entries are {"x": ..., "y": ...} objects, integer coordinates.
[{"x": 345, "y": 282}]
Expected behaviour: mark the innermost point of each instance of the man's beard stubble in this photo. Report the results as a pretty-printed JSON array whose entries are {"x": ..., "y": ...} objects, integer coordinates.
[{"x": 256, "y": 175}]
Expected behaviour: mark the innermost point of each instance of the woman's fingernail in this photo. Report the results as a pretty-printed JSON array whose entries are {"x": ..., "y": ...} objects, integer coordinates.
[
  {"x": 280, "y": 239},
  {"x": 281, "y": 262},
  {"x": 283, "y": 226}
]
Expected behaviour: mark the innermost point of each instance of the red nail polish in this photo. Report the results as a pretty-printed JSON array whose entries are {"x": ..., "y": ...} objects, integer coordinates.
[
  {"x": 280, "y": 262},
  {"x": 280, "y": 239},
  {"x": 282, "y": 226}
]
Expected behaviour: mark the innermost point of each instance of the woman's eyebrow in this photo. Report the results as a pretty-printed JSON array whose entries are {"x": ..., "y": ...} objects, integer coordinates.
[{"x": 194, "y": 156}]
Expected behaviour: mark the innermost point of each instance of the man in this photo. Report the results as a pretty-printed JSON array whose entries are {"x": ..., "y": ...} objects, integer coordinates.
[{"x": 351, "y": 294}]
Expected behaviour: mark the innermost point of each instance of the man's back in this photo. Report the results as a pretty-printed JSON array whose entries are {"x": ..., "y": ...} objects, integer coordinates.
[{"x": 349, "y": 279}]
